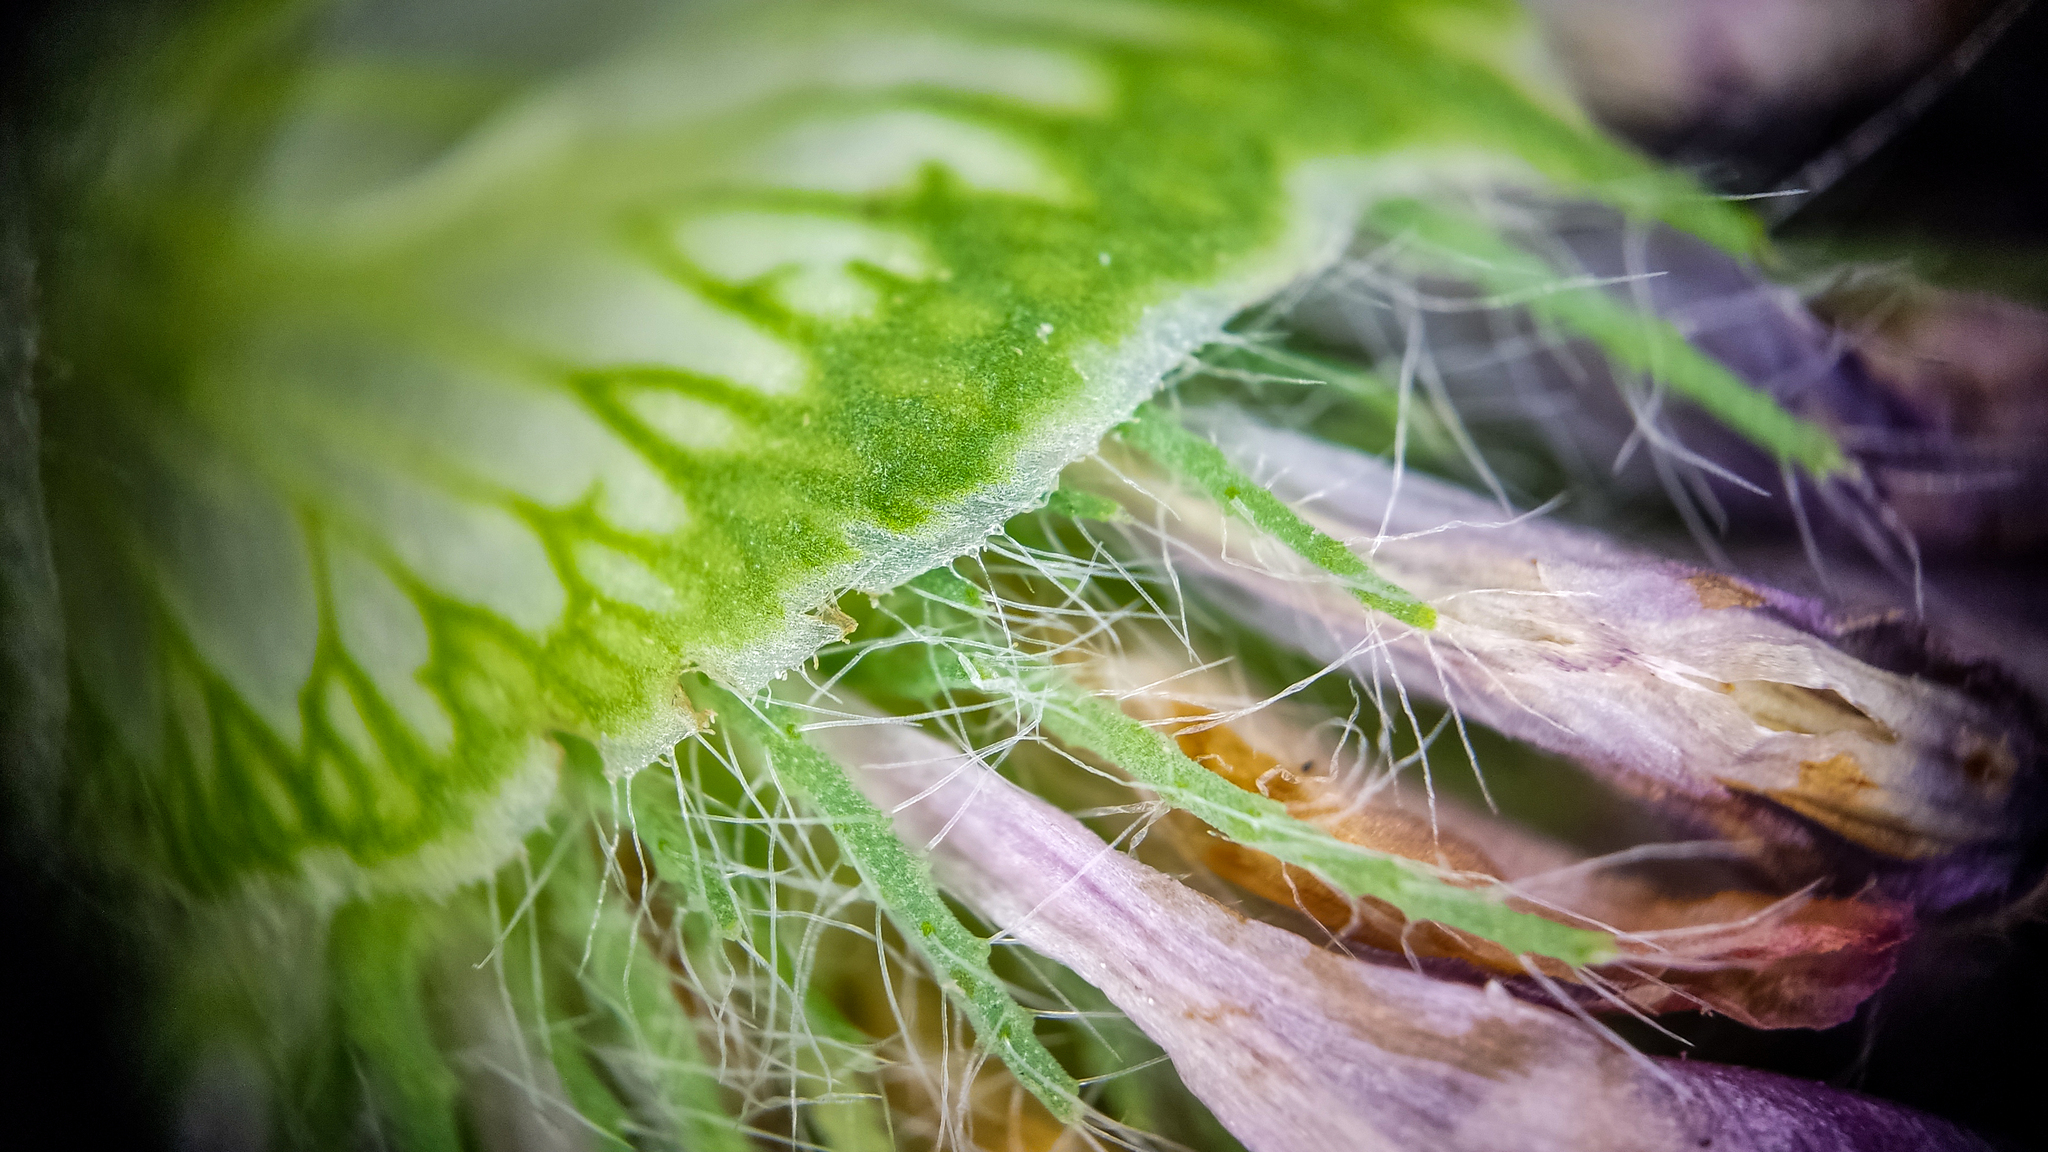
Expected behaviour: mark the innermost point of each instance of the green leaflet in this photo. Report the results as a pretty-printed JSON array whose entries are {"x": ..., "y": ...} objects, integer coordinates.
[
  {"x": 1084, "y": 505},
  {"x": 1160, "y": 436},
  {"x": 416, "y": 411},
  {"x": 1092, "y": 722},
  {"x": 684, "y": 860},
  {"x": 830, "y": 1056},
  {"x": 902, "y": 885},
  {"x": 1638, "y": 342},
  {"x": 946, "y": 586},
  {"x": 377, "y": 954},
  {"x": 569, "y": 988},
  {"x": 850, "y": 1123},
  {"x": 933, "y": 674},
  {"x": 652, "y": 1039}
]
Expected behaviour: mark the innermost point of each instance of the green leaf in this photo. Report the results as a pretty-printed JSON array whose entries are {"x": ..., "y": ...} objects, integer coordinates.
[
  {"x": 377, "y": 952},
  {"x": 902, "y": 885},
  {"x": 684, "y": 860},
  {"x": 1156, "y": 433},
  {"x": 1084, "y": 720},
  {"x": 1634, "y": 339},
  {"x": 949, "y": 587},
  {"x": 1084, "y": 505},
  {"x": 439, "y": 455},
  {"x": 652, "y": 1034}
]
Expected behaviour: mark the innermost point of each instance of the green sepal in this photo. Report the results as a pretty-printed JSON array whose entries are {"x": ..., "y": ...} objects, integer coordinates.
[
  {"x": 902, "y": 885},
  {"x": 377, "y": 953},
  {"x": 1633, "y": 339},
  {"x": 1084, "y": 505},
  {"x": 1157, "y": 434},
  {"x": 1079, "y": 718}
]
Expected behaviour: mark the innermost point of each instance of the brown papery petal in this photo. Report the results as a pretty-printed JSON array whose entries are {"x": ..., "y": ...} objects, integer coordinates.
[{"x": 1769, "y": 960}]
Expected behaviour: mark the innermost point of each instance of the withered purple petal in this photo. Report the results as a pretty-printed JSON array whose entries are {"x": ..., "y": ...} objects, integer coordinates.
[
  {"x": 1702, "y": 690},
  {"x": 1293, "y": 1047}
]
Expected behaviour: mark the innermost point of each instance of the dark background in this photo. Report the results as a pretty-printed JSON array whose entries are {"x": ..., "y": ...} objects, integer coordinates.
[{"x": 71, "y": 976}]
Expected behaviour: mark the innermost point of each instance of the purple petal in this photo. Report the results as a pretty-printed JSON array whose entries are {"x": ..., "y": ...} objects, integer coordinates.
[
  {"x": 1964, "y": 465},
  {"x": 1296, "y": 1048},
  {"x": 1698, "y": 690}
]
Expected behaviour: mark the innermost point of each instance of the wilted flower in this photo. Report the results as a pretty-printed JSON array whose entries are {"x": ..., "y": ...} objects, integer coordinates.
[
  {"x": 1722, "y": 698},
  {"x": 1720, "y": 938},
  {"x": 1294, "y": 1047}
]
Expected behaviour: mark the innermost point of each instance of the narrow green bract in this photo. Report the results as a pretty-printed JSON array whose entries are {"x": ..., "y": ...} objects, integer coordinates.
[
  {"x": 902, "y": 885},
  {"x": 1094, "y": 723},
  {"x": 1160, "y": 436},
  {"x": 1640, "y": 343}
]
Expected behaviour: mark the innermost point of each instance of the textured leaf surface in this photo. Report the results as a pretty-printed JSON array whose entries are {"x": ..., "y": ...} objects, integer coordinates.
[{"x": 456, "y": 412}]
